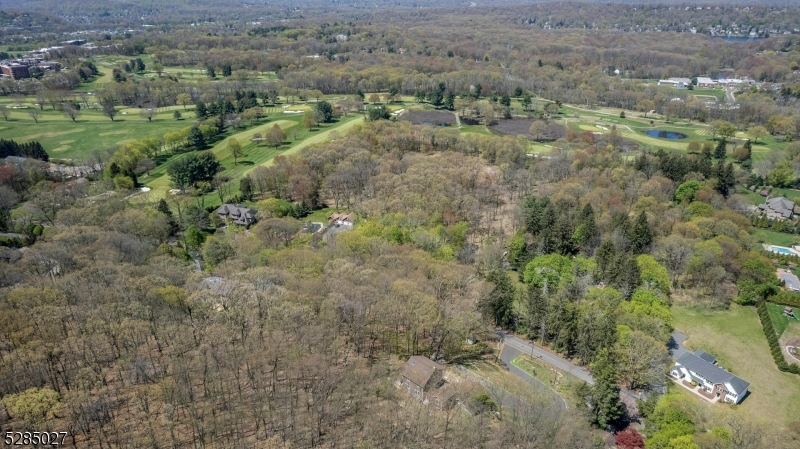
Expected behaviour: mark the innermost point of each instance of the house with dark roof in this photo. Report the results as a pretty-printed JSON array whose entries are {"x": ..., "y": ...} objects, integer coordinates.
[
  {"x": 421, "y": 375},
  {"x": 778, "y": 208},
  {"x": 702, "y": 368},
  {"x": 237, "y": 214}
]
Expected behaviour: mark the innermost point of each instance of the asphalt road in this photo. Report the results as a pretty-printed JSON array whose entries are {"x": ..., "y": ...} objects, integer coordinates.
[
  {"x": 729, "y": 96},
  {"x": 508, "y": 354},
  {"x": 554, "y": 360}
]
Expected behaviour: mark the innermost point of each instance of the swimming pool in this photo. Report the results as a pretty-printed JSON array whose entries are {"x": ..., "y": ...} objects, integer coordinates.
[{"x": 782, "y": 250}]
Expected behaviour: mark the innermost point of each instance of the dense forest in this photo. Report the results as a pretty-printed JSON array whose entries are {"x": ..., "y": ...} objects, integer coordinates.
[{"x": 135, "y": 319}]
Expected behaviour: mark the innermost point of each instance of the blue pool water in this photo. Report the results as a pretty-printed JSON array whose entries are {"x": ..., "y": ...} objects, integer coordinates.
[
  {"x": 665, "y": 134},
  {"x": 781, "y": 250}
]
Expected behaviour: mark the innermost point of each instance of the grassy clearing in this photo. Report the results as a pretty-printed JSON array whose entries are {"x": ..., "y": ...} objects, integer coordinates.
[
  {"x": 779, "y": 320},
  {"x": 716, "y": 93},
  {"x": 736, "y": 337},
  {"x": 510, "y": 382},
  {"x": 565, "y": 386},
  {"x": 754, "y": 198},
  {"x": 775, "y": 238},
  {"x": 255, "y": 155},
  {"x": 65, "y": 139},
  {"x": 549, "y": 376}
]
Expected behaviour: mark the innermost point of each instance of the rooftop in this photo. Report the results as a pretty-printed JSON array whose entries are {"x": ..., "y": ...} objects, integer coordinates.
[
  {"x": 419, "y": 369},
  {"x": 711, "y": 372}
]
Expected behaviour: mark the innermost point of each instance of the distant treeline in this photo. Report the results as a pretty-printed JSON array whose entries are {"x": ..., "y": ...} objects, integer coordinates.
[{"x": 28, "y": 149}]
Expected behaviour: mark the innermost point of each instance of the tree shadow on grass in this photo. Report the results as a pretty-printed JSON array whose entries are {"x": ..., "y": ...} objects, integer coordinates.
[{"x": 245, "y": 163}]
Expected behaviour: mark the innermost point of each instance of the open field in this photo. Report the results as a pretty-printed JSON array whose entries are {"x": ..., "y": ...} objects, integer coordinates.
[
  {"x": 62, "y": 138},
  {"x": 775, "y": 238},
  {"x": 736, "y": 337}
]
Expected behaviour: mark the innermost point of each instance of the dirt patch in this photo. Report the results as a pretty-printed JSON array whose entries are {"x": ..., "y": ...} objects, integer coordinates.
[
  {"x": 513, "y": 127},
  {"x": 433, "y": 118},
  {"x": 796, "y": 345}
]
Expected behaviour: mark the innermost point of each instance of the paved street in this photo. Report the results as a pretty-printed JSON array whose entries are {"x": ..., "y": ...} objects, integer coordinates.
[
  {"x": 551, "y": 359},
  {"x": 508, "y": 354}
]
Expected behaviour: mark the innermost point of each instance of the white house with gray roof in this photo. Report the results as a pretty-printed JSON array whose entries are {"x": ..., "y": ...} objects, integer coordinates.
[{"x": 701, "y": 367}]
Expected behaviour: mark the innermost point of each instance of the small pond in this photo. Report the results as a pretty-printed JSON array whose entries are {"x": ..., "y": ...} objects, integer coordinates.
[{"x": 665, "y": 134}]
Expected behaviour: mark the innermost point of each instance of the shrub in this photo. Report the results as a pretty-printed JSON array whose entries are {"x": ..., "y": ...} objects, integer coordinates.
[{"x": 772, "y": 339}]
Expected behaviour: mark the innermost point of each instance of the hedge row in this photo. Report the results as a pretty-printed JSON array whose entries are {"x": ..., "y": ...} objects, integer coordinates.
[
  {"x": 790, "y": 299},
  {"x": 772, "y": 339}
]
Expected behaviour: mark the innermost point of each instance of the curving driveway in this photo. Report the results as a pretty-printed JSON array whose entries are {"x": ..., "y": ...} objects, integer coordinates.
[{"x": 675, "y": 345}]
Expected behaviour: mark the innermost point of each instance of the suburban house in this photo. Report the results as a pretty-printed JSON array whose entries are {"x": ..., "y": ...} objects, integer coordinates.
[
  {"x": 420, "y": 376},
  {"x": 423, "y": 379},
  {"x": 238, "y": 214},
  {"x": 713, "y": 382},
  {"x": 778, "y": 208},
  {"x": 341, "y": 219}
]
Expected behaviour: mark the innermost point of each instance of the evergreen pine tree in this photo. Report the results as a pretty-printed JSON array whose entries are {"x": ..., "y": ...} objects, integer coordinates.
[
  {"x": 498, "y": 305},
  {"x": 721, "y": 150},
  {"x": 163, "y": 207},
  {"x": 537, "y": 309},
  {"x": 605, "y": 257},
  {"x": 586, "y": 233},
  {"x": 606, "y": 407},
  {"x": 641, "y": 235},
  {"x": 200, "y": 110},
  {"x": 627, "y": 277},
  {"x": 196, "y": 138},
  {"x": 562, "y": 234}
]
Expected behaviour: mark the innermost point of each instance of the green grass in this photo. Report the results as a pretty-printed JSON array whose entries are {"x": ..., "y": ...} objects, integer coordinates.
[
  {"x": 510, "y": 382},
  {"x": 754, "y": 198},
  {"x": 736, "y": 337},
  {"x": 549, "y": 376},
  {"x": 779, "y": 320},
  {"x": 774, "y": 238},
  {"x": 717, "y": 93},
  {"x": 64, "y": 139},
  {"x": 792, "y": 194},
  {"x": 321, "y": 215},
  {"x": 255, "y": 155}
]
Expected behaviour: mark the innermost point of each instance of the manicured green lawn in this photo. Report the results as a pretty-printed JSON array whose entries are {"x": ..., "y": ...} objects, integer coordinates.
[
  {"x": 754, "y": 198},
  {"x": 736, "y": 337},
  {"x": 792, "y": 194},
  {"x": 775, "y": 238},
  {"x": 64, "y": 139},
  {"x": 779, "y": 320}
]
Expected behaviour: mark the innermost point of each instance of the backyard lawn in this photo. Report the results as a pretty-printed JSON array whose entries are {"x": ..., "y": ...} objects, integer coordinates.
[
  {"x": 775, "y": 238},
  {"x": 736, "y": 337},
  {"x": 779, "y": 320}
]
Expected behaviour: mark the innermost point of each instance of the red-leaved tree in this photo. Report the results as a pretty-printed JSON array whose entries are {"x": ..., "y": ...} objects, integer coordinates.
[{"x": 629, "y": 439}]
